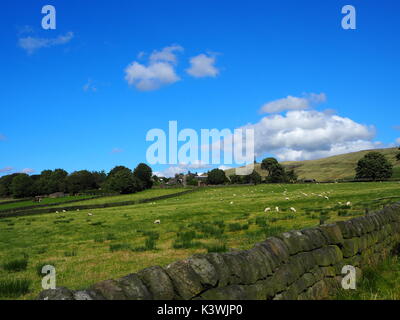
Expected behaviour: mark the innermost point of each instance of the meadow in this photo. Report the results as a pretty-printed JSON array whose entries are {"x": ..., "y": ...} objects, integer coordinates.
[
  {"x": 113, "y": 242},
  {"x": 45, "y": 201}
]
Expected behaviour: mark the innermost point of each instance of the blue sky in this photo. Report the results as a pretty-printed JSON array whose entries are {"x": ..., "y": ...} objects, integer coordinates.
[{"x": 66, "y": 101}]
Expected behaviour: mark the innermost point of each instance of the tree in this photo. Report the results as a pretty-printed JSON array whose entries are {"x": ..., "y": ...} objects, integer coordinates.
[
  {"x": 235, "y": 179},
  {"x": 124, "y": 182},
  {"x": 398, "y": 155},
  {"x": 79, "y": 181},
  {"x": 254, "y": 177},
  {"x": 374, "y": 166},
  {"x": 276, "y": 172},
  {"x": 22, "y": 186},
  {"x": 99, "y": 178},
  {"x": 5, "y": 184},
  {"x": 291, "y": 176},
  {"x": 144, "y": 173},
  {"x": 116, "y": 169},
  {"x": 216, "y": 176}
]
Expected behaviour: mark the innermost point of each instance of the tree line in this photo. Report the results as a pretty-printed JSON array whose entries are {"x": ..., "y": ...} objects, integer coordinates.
[{"x": 119, "y": 180}]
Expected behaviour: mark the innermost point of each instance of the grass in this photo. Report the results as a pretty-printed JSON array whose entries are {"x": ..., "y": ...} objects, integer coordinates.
[
  {"x": 16, "y": 265},
  {"x": 47, "y": 201},
  {"x": 85, "y": 252},
  {"x": 381, "y": 282},
  {"x": 14, "y": 288}
]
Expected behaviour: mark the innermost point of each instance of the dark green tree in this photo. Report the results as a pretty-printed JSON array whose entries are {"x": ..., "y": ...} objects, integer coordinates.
[
  {"x": 374, "y": 166},
  {"x": 254, "y": 178},
  {"x": 144, "y": 173},
  {"x": 80, "y": 181},
  {"x": 276, "y": 172},
  {"x": 123, "y": 182},
  {"x": 22, "y": 186},
  {"x": 216, "y": 176},
  {"x": 291, "y": 176},
  {"x": 116, "y": 169},
  {"x": 5, "y": 184},
  {"x": 236, "y": 179}
]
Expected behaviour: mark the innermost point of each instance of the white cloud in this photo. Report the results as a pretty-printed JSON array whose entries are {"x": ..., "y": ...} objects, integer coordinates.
[
  {"x": 31, "y": 44},
  {"x": 181, "y": 168},
  {"x": 309, "y": 134},
  {"x": 167, "y": 54},
  {"x": 224, "y": 167},
  {"x": 150, "y": 77},
  {"x": 293, "y": 103},
  {"x": 159, "y": 72},
  {"x": 27, "y": 170},
  {"x": 6, "y": 169},
  {"x": 202, "y": 66}
]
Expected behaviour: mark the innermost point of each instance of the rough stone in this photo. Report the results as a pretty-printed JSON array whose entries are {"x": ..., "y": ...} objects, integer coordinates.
[
  {"x": 185, "y": 281},
  {"x": 158, "y": 283},
  {"x": 60, "y": 293}
]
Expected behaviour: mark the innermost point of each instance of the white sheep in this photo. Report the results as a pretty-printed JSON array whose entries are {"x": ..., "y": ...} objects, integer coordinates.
[
  {"x": 326, "y": 197},
  {"x": 267, "y": 209},
  {"x": 64, "y": 211},
  {"x": 90, "y": 214},
  {"x": 293, "y": 209},
  {"x": 231, "y": 202},
  {"x": 77, "y": 209},
  {"x": 348, "y": 203},
  {"x": 277, "y": 209},
  {"x": 157, "y": 222},
  {"x": 56, "y": 211},
  {"x": 287, "y": 198}
]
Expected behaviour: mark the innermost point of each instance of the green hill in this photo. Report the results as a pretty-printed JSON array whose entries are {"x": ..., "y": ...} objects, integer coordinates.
[{"x": 336, "y": 167}]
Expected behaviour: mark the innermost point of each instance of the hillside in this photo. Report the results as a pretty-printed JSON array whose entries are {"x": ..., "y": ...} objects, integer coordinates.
[{"x": 336, "y": 167}]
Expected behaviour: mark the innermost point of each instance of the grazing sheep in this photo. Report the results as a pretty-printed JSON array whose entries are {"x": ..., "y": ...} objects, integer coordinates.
[
  {"x": 305, "y": 194},
  {"x": 90, "y": 214},
  {"x": 348, "y": 203},
  {"x": 287, "y": 198},
  {"x": 277, "y": 209},
  {"x": 267, "y": 209},
  {"x": 293, "y": 209},
  {"x": 64, "y": 211},
  {"x": 77, "y": 209},
  {"x": 231, "y": 202},
  {"x": 157, "y": 222},
  {"x": 327, "y": 198},
  {"x": 56, "y": 211}
]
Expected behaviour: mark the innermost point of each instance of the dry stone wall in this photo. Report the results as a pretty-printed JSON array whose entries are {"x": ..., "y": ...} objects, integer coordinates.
[{"x": 295, "y": 265}]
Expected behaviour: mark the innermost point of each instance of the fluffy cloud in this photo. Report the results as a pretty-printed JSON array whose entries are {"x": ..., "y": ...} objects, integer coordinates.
[
  {"x": 310, "y": 134},
  {"x": 31, "y": 44},
  {"x": 167, "y": 54},
  {"x": 202, "y": 66},
  {"x": 293, "y": 103},
  {"x": 159, "y": 72}
]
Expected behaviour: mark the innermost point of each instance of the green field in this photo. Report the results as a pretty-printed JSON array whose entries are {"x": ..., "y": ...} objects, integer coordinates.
[
  {"x": 45, "y": 201},
  {"x": 117, "y": 241},
  {"x": 153, "y": 193},
  {"x": 332, "y": 168}
]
